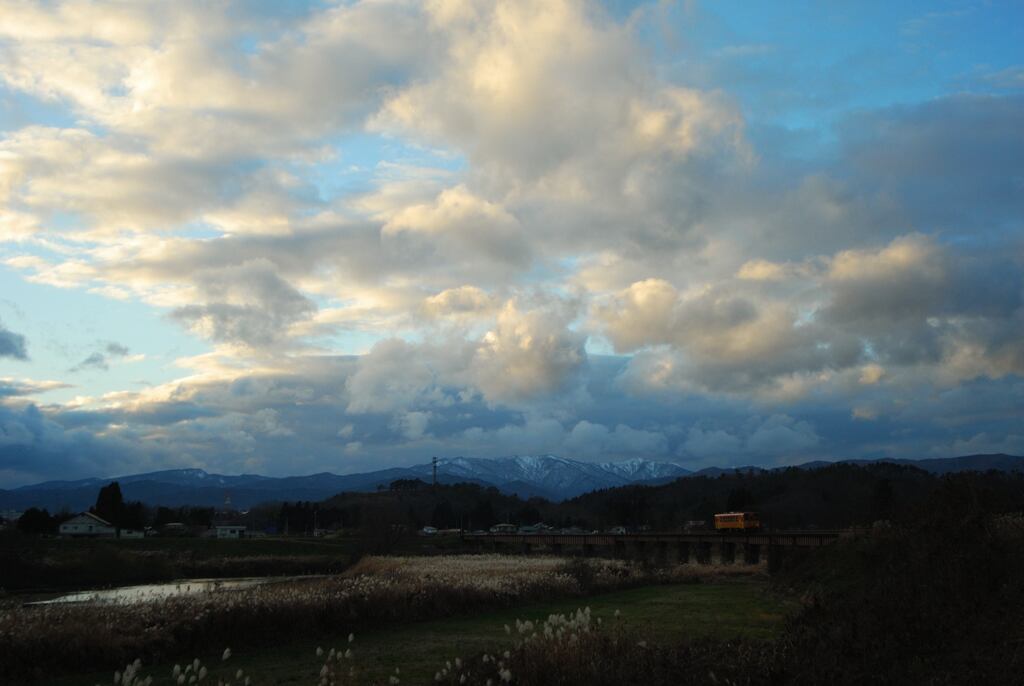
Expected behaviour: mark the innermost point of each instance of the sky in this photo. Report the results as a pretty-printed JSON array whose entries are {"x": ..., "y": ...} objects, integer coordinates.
[{"x": 285, "y": 238}]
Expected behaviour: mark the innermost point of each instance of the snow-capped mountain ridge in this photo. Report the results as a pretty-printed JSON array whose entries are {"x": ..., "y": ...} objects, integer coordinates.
[
  {"x": 549, "y": 476},
  {"x": 639, "y": 469},
  {"x": 556, "y": 477}
]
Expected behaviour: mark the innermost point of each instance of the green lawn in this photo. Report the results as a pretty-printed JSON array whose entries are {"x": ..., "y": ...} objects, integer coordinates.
[{"x": 660, "y": 613}]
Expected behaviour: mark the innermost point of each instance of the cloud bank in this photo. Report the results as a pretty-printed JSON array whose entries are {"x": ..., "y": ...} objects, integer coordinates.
[{"x": 403, "y": 229}]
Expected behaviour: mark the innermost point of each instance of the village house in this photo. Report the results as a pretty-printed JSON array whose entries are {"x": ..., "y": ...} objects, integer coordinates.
[
  {"x": 231, "y": 531},
  {"x": 87, "y": 525}
]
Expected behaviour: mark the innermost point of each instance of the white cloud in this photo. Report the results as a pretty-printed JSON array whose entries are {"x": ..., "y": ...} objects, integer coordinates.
[
  {"x": 590, "y": 439},
  {"x": 778, "y": 436},
  {"x": 545, "y": 182},
  {"x": 529, "y": 352}
]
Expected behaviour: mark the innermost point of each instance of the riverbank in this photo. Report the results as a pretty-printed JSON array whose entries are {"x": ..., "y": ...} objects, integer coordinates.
[{"x": 39, "y": 641}]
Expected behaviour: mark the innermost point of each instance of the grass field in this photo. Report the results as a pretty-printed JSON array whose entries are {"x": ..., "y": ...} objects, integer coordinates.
[{"x": 664, "y": 613}]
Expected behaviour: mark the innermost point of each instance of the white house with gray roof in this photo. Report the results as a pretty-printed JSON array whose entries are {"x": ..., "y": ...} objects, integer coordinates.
[{"x": 86, "y": 525}]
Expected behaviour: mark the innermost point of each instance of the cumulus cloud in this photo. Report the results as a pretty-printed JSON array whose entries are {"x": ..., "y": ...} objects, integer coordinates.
[
  {"x": 504, "y": 79},
  {"x": 463, "y": 301},
  {"x": 248, "y": 304},
  {"x": 778, "y": 436},
  {"x": 717, "y": 338},
  {"x": 911, "y": 301},
  {"x": 461, "y": 225},
  {"x": 395, "y": 376},
  {"x": 529, "y": 352},
  {"x": 588, "y": 438},
  {"x": 548, "y": 189}
]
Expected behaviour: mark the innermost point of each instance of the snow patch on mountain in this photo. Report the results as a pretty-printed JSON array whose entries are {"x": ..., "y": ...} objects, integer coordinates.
[{"x": 561, "y": 477}]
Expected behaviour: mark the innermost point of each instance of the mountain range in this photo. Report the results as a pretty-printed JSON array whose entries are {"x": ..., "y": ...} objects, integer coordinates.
[{"x": 546, "y": 476}]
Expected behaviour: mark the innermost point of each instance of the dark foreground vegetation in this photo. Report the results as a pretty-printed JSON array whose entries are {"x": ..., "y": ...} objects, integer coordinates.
[
  {"x": 836, "y": 496},
  {"x": 931, "y": 593},
  {"x": 38, "y": 644},
  {"x": 935, "y": 601},
  {"x": 29, "y": 564}
]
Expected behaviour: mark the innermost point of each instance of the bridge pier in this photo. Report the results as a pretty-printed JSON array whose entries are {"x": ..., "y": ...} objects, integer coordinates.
[{"x": 752, "y": 548}]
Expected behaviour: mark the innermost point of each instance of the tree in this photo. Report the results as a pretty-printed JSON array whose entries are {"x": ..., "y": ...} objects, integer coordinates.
[
  {"x": 443, "y": 516},
  {"x": 527, "y": 514},
  {"x": 483, "y": 516},
  {"x": 881, "y": 500},
  {"x": 739, "y": 500},
  {"x": 110, "y": 504},
  {"x": 133, "y": 515},
  {"x": 36, "y": 521},
  {"x": 407, "y": 485}
]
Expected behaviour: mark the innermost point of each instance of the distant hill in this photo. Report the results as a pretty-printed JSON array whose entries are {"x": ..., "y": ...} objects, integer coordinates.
[
  {"x": 547, "y": 476},
  {"x": 949, "y": 465}
]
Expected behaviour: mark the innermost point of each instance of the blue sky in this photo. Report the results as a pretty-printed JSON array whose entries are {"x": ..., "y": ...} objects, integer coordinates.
[{"x": 288, "y": 238}]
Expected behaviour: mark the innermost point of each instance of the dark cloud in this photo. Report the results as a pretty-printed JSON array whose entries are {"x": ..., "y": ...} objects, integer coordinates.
[
  {"x": 247, "y": 304},
  {"x": 94, "y": 361},
  {"x": 117, "y": 350},
  {"x": 35, "y": 446},
  {"x": 952, "y": 163},
  {"x": 12, "y": 388},
  {"x": 304, "y": 420},
  {"x": 12, "y": 344},
  {"x": 101, "y": 358}
]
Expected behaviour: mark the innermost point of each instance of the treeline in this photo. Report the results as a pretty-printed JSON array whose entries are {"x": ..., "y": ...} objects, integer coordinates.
[
  {"x": 837, "y": 496},
  {"x": 112, "y": 507},
  {"x": 411, "y": 504}
]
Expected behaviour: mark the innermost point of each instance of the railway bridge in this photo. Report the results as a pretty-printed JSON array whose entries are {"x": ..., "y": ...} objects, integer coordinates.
[{"x": 663, "y": 548}]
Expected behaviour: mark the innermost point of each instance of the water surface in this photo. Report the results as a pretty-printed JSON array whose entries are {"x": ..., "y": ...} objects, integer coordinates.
[{"x": 151, "y": 592}]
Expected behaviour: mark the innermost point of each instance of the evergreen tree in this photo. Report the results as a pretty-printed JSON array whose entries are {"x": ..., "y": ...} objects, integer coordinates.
[
  {"x": 443, "y": 516},
  {"x": 36, "y": 521},
  {"x": 110, "y": 504}
]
